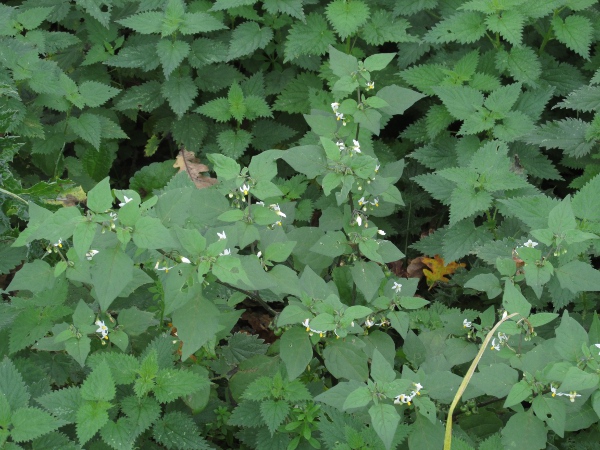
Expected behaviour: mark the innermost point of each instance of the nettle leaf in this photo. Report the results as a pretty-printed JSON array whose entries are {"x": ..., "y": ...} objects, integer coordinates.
[
  {"x": 466, "y": 201},
  {"x": 585, "y": 99},
  {"x": 233, "y": 143},
  {"x": 217, "y": 109},
  {"x": 575, "y": 32},
  {"x": 220, "y": 5},
  {"x": 178, "y": 430},
  {"x": 463, "y": 27},
  {"x": 461, "y": 101},
  {"x": 180, "y": 91},
  {"x": 96, "y": 94},
  {"x": 88, "y": 127},
  {"x": 567, "y": 134},
  {"x": 145, "y": 97},
  {"x": 424, "y": 77},
  {"x": 144, "y": 23},
  {"x": 171, "y": 54},
  {"x": 522, "y": 63},
  {"x": 509, "y": 24},
  {"x": 347, "y": 17},
  {"x": 30, "y": 423},
  {"x": 274, "y": 413},
  {"x": 384, "y": 27},
  {"x": 248, "y": 37},
  {"x": 290, "y": 7},
  {"x": 199, "y": 22},
  {"x": 310, "y": 38}
]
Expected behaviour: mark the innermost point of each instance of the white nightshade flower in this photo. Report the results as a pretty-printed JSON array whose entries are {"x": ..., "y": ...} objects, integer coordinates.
[
  {"x": 502, "y": 337},
  {"x": 102, "y": 329},
  {"x": 530, "y": 244},
  {"x": 260, "y": 203},
  {"x": 597, "y": 345},
  {"x": 245, "y": 189},
  {"x": 572, "y": 396},
  {"x": 418, "y": 387},
  {"x": 403, "y": 398},
  {"x": 89, "y": 255},
  {"x": 359, "y": 220},
  {"x": 306, "y": 324},
  {"x": 127, "y": 200},
  {"x": 335, "y": 106},
  {"x": 361, "y": 201},
  {"x": 369, "y": 323},
  {"x": 370, "y": 85},
  {"x": 339, "y": 116},
  {"x": 381, "y": 232},
  {"x": 226, "y": 252},
  {"x": 58, "y": 243},
  {"x": 555, "y": 392},
  {"x": 166, "y": 269},
  {"x": 467, "y": 324},
  {"x": 504, "y": 315},
  {"x": 356, "y": 146},
  {"x": 377, "y": 168},
  {"x": 495, "y": 345},
  {"x": 113, "y": 215},
  {"x": 375, "y": 201},
  {"x": 222, "y": 235},
  {"x": 185, "y": 260},
  {"x": 397, "y": 287},
  {"x": 341, "y": 146}
]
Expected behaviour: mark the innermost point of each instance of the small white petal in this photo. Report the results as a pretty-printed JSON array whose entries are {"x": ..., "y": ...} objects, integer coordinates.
[{"x": 185, "y": 260}]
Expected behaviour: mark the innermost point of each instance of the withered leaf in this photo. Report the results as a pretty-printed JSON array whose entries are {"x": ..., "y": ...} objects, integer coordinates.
[{"x": 187, "y": 162}]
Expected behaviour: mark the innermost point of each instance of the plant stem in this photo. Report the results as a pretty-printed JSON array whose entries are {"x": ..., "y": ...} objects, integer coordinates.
[
  {"x": 4, "y": 191},
  {"x": 466, "y": 379},
  {"x": 253, "y": 296}
]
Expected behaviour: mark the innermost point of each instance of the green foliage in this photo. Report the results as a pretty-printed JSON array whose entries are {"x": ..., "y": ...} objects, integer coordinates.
[{"x": 126, "y": 307}]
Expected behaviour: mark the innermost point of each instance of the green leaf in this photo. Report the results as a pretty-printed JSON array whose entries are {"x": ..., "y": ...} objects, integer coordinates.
[
  {"x": 274, "y": 413},
  {"x": 524, "y": 430},
  {"x": 171, "y": 54},
  {"x": 199, "y": 22},
  {"x": 310, "y": 38},
  {"x": 217, "y": 109},
  {"x": 99, "y": 385},
  {"x": 178, "y": 430},
  {"x": 144, "y": 23},
  {"x": 509, "y": 24},
  {"x": 385, "y": 420},
  {"x": 570, "y": 336},
  {"x": 466, "y": 201},
  {"x": 586, "y": 202},
  {"x": 381, "y": 370},
  {"x": 79, "y": 349},
  {"x": 234, "y": 143},
  {"x": 12, "y": 386},
  {"x": 88, "y": 127},
  {"x": 170, "y": 384},
  {"x": 496, "y": 379},
  {"x": 370, "y": 119},
  {"x": 33, "y": 17},
  {"x": 113, "y": 271},
  {"x": 142, "y": 411},
  {"x": 513, "y": 301},
  {"x": 63, "y": 403},
  {"x": 180, "y": 91},
  {"x": 577, "y": 276},
  {"x": 290, "y": 7},
  {"x": 307, "y": 159},
  {"x": 135, "y": 322},
  {"x": 344, "y": 360},
  {"x": 96, "y": 94},
  {"x": 91, "y": 416},
  {"x": 567, "y": 134},
  {"x": 347, "y": 17},
  {"x": 197, "y": 322},
  {"x": 83, "y": 236},
  {"x": 147, "y": 97},
  {"x": 342, "y": 64},
  {"x": 383, "y": 27},
  {"x": 519, "y": 392},
  {"x": 150, "y": 233},
  {"x": 247, "y": 38},
  {"x": 486, "y": 282},
  {"x": 578, "y": 380},
  {"x": 35, "y": 277},
  {"x": 30, "y": 423},
  {"x": 586, "y": 98},
  {"x": 296, "y": 351},
  {"x": 575, "y": 32},
  {"x": 358, "y": 398},
  {"x": 461, "y": 101},
  {"x": 295, "y": 95},
  {"x": 522, "y": 63},
  {"x": 367, "y": 276},
  {"x": 462, "y": 27}
]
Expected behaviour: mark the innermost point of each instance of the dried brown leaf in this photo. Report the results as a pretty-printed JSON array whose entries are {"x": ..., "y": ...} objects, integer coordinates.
[{"x": 187, "y": 162}]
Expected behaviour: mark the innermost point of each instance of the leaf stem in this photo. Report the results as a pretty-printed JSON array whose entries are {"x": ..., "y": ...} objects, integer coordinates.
[
  {"x": 4, "y": 191},
  {"x": 253, "y": 296}
]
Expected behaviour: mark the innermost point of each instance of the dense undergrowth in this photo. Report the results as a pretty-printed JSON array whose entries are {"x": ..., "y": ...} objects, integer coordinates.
[{"x": 360, "y": 224}]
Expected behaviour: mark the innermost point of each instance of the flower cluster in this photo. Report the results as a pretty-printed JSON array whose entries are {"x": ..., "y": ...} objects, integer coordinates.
[
  {"x": 369, "y": 322},
  {"x": 338, "y": 115},
  {"x": 406, "y": 399},
  {"x": 362, "y": 202},
  {"x": 502, "y": 338},
  {"x": 467, "y": 324},
  {"x": 102, "y": 329},
  {"x": 571, "y": 394},
  {"x": 306, "y": 324}
]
